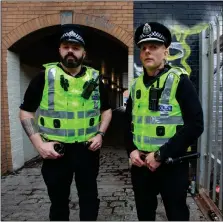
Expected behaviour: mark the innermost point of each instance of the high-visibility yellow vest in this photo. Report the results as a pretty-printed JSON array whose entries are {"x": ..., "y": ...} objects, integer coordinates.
[
  {"x": 151, "y": 129},
  {"x": 64, "y": 115}
]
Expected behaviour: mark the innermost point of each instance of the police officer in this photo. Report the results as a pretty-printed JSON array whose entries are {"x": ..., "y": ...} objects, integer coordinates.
[
  {"x": 164, "y": 117},
  {"x": 74, "y": 113}
]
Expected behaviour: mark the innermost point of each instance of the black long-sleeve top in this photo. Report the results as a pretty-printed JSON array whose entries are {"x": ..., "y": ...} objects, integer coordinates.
[{"x": 192, "y": 115}]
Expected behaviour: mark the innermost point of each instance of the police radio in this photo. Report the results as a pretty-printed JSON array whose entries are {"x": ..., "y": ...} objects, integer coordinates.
[
  {"x": 59, "y": 148},
  {"x": 89, "y": 87},
  {"x": 154, "y": 96}
]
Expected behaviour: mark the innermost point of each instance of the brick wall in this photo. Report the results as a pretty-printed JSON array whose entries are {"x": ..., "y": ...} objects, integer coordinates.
[{"x": 22, "y": 18}]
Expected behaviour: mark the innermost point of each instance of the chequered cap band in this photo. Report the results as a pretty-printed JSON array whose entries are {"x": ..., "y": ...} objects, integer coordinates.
[
  {"x": 74, "y": 35},
  {"x": 153, "y": 34}
]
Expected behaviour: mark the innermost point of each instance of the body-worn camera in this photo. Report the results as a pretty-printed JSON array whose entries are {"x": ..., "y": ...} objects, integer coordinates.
[
  {"x": 89, "y": 87},
  {"x": 59, "y": 148},
  {"x": 154, "y": 95}
]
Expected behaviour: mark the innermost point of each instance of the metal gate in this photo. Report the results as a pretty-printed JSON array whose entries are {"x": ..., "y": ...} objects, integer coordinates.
[{"x": 209, "y": 172}]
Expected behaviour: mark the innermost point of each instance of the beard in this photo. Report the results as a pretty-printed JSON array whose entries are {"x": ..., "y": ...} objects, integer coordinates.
[{"x": 73, "y": 62}]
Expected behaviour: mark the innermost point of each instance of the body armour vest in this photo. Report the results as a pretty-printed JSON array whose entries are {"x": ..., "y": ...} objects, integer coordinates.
[
  {"x": 151, "y": 129},
  {"x": 64, "y": 115}
]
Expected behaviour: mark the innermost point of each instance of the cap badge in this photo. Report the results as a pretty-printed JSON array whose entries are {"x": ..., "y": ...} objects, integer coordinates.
[{"x": 146, "y": 29}]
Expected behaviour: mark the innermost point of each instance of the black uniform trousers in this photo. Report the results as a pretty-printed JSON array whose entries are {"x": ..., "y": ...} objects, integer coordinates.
[
  {"x": 171, "y": 181},
  {"x": 58, "y": 176}
]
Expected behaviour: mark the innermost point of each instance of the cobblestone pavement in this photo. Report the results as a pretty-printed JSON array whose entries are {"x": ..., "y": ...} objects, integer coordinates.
[{"x": 24, "y": 196}]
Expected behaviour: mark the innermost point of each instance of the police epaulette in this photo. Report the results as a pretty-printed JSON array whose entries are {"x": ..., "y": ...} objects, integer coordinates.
[
  {"x": 50, "y": 64},
  {"x": 179, "y": 70}
]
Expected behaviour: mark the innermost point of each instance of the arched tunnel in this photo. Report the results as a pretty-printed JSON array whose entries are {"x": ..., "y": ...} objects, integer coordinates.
[{"x": 104, "y": 53}]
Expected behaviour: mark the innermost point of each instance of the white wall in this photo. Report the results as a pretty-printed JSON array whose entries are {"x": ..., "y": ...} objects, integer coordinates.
[
  {"x": 13, "y": 85},
  {"x": 26, "y": 74},
  {"x": 130, "y": 70},
  {"x": 18, "y": 78}
]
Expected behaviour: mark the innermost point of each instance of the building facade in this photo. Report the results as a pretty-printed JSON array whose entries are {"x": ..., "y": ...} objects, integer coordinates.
[{"x": 30, "y": 33}]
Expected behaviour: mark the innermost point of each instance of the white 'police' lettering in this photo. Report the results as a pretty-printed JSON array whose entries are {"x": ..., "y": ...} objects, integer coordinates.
[{"x": 165, "y": 108}]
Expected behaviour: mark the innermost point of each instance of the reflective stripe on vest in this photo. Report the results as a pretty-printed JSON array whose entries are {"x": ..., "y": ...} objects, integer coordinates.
[
  {"x": 133, "y": 91},
  {"x": 68, "y": 115},
  {"x": 63, "y": 132},
  {"x": 58, "y": 132},
  {"x": 89, "y": 113},
  {"x": 165, "y": 96},
  {"x": 51, "y": 79},
  {"x": 159, "y": 120},
  {"x": 56, "y": 114},
  {"x": 89, "y": 130},
  {"x": 150, "y": 140}
]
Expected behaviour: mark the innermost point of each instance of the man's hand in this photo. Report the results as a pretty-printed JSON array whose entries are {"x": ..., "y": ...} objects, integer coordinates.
[
  {"x": 46, "y": 150},
  {"x": 151, "y": 163},
  {"x": 135, "y": 158},
  {"x": 96, "y": 142}
]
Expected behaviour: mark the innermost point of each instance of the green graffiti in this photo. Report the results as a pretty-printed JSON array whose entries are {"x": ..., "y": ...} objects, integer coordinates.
[{"x": 181, "y": 33}]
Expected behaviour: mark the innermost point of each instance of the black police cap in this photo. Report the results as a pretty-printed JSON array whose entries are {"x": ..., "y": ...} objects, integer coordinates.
[
  {"x": 153, "y": 31},
  {"x": 72, "y": 33}
]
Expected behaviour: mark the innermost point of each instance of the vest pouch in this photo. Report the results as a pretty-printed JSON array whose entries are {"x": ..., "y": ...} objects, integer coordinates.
[
  {"x": 160, "y": 131},
  {"x": 132, "y": 127},
  {"x": 91, "y": 122},
  {"x": 138, "y": 94},
  {"x": 42, "y": 122},
  {"x": 56, "y": 123}
]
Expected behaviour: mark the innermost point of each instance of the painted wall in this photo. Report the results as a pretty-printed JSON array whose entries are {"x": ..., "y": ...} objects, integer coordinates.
[{"x": 185, "y": 20}]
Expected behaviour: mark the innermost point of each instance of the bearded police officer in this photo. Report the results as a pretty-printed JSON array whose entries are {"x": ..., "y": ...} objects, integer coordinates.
[
  {"x": 74, "y": 114},
  {"x": 164, "y": 117}
]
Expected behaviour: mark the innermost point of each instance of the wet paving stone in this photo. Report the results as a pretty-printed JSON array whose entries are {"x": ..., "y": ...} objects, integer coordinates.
[{"x": 24, "y": 195}]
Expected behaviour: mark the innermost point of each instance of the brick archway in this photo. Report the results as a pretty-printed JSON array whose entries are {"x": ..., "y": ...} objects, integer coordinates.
[
  {"x": 28, "y": 27},
  {"x": 81, "y": 19}
]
